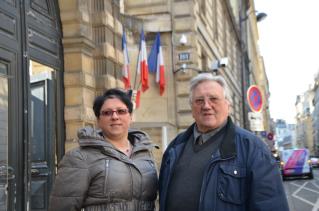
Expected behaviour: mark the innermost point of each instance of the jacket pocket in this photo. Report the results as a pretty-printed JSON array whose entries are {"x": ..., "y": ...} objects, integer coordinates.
[
  {"x": 149, "y": 179},
  {"x": 231, "y": 184}
]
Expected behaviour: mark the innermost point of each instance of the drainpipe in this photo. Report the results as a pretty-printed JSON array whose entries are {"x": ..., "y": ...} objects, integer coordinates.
[{"x": 242, "y": 34}]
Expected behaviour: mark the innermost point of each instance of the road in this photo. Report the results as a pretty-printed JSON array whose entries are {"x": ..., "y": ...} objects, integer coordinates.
[{"x": 303, "y": 194}]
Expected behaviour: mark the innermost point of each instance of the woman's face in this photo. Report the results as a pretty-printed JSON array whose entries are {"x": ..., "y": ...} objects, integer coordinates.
[{"x": 114, "y": 119}]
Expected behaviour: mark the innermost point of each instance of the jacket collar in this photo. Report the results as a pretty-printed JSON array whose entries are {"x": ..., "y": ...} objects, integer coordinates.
[
  {"x": 227, "y": 147},
  {"x": 90, "y": 137}
]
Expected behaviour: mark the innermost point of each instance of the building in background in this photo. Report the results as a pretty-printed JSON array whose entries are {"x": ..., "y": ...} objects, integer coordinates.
[
  {"x": 307, "y": 126},
  {"x": 304, "y": 121},
  {"x": 292, "y": 129},
  {"x": 285, "y": 135},
  {"x": 315, "y": 115},
  {"x": 56, "y": 56}
]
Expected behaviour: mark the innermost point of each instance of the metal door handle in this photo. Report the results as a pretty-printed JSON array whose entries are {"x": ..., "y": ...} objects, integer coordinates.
[
  {"x": 35, "y": 172},
  {"x": 7, "y": 172}
]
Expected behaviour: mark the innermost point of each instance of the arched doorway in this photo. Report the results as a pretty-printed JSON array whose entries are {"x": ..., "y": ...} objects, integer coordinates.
[{"x": 31, "y": 102}]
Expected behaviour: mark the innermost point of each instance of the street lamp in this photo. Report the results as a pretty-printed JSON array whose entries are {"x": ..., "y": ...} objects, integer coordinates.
[
  {"x": 183, "y": 40},
  {"x": 260, "y": 16}
]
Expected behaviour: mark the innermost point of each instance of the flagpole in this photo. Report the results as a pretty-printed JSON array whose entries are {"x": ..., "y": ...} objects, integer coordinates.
[
  {"x": 135, "y": 79},
  {"x": 137, "y": 65},
  {"x": 139, "y": 84},
  {"x": 125, "y": 69}
]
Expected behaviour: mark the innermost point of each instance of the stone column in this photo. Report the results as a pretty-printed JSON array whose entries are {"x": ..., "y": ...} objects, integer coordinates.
[
  {"x": 107, "y": 34},
  {"x": 79, "y": 79},
  {"x": 184, "y": 22}
]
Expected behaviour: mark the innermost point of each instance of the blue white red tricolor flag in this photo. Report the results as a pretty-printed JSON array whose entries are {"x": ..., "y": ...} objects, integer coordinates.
[
  {"x": 142, "y": 67},
  {"x": 126, "y": 67},
  {"x": 156, "y": 63}
]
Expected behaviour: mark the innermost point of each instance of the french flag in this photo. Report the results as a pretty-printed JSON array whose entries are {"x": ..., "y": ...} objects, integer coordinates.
[
  {"x": 126, "y": 68},
  {"x": 156, "y": 63},
  {"x": 142, "y": 67}
]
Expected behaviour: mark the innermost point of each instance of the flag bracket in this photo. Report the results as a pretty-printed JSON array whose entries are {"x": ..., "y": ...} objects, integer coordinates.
[{"x": 184, "y": 69}]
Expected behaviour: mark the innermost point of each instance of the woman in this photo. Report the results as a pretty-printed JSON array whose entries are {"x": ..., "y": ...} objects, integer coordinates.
[{"x": 113, "y": 169}]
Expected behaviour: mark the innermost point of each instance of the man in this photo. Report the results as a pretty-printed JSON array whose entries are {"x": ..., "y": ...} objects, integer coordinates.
[{"x": 216, "y": 165}]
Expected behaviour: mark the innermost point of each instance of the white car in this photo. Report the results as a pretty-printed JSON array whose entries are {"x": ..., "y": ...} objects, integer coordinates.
[
  {"x": 314, "y": 162},
  {"x": 296, "y": 162}
]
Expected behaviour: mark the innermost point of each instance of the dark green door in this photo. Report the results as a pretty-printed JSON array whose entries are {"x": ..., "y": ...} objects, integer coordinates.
[
  {"x": 7, "y": 175},
  {"x": 42, "y": 134},
  {"x": 10, "y": 132}
]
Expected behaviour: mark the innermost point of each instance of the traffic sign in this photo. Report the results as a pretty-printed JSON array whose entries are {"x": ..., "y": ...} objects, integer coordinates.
[
  {"x": 263, "y": 133},
  {"x": 270, "y": 136},
  {"x": 256, "y": 121},
  {"x": 254, "y": 98}
]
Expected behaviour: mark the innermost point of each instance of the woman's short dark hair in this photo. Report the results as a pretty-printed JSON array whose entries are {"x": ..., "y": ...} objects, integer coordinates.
[{"x": 112, "y": 94}]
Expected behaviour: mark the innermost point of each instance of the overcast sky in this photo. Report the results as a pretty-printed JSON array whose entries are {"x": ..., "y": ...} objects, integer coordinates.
[{"x": 289, "y": 43}]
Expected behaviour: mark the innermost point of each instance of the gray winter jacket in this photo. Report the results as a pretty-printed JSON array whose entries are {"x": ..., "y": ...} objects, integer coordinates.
[{"x": 96, "y": 176}]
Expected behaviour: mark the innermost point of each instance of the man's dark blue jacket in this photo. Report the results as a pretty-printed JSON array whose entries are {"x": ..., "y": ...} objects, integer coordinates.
[{"x": 241, "y": 175}]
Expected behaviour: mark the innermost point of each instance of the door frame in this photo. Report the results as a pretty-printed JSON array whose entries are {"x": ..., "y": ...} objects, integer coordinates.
[
  {"x": 33, "y": 51},
  {"x": 15, "y": 149}
]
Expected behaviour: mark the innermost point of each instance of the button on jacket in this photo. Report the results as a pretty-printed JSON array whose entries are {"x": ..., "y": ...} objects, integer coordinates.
[
  {"x": 96, "y": 176},
  {"x": 240, "y": 176}
]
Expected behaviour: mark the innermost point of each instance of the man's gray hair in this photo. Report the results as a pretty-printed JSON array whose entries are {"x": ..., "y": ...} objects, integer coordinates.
[{"x": 202, "y": 77}]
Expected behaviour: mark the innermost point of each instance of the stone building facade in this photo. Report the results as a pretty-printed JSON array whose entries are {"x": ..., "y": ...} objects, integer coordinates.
[
  {"x": 93, "y": 58},
  {"x": 214, "y": 30},
  {"x": 315, "y": 115},
  {"x": 56, "y": 56}
]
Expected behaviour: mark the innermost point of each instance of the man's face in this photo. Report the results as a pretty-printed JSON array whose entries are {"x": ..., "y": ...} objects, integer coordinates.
[{"x": 210, "y": 108}]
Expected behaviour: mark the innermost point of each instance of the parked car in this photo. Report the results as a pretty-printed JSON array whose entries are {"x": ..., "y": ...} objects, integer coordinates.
[
  {"x": 296, "y": 162},
  {"x": 314, "y": 161}
]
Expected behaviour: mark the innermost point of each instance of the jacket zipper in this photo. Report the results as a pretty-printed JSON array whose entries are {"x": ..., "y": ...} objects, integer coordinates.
[{"x": 107, "y": 163}]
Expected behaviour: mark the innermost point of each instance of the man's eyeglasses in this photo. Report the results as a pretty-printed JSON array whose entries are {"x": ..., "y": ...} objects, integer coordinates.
[
  {"x": 201, "y": 100},
  {"x": 109, "y": 113}
]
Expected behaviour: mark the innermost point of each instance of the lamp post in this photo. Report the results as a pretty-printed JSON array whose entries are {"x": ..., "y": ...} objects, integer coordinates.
[{"x": 243, "y": 16}]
